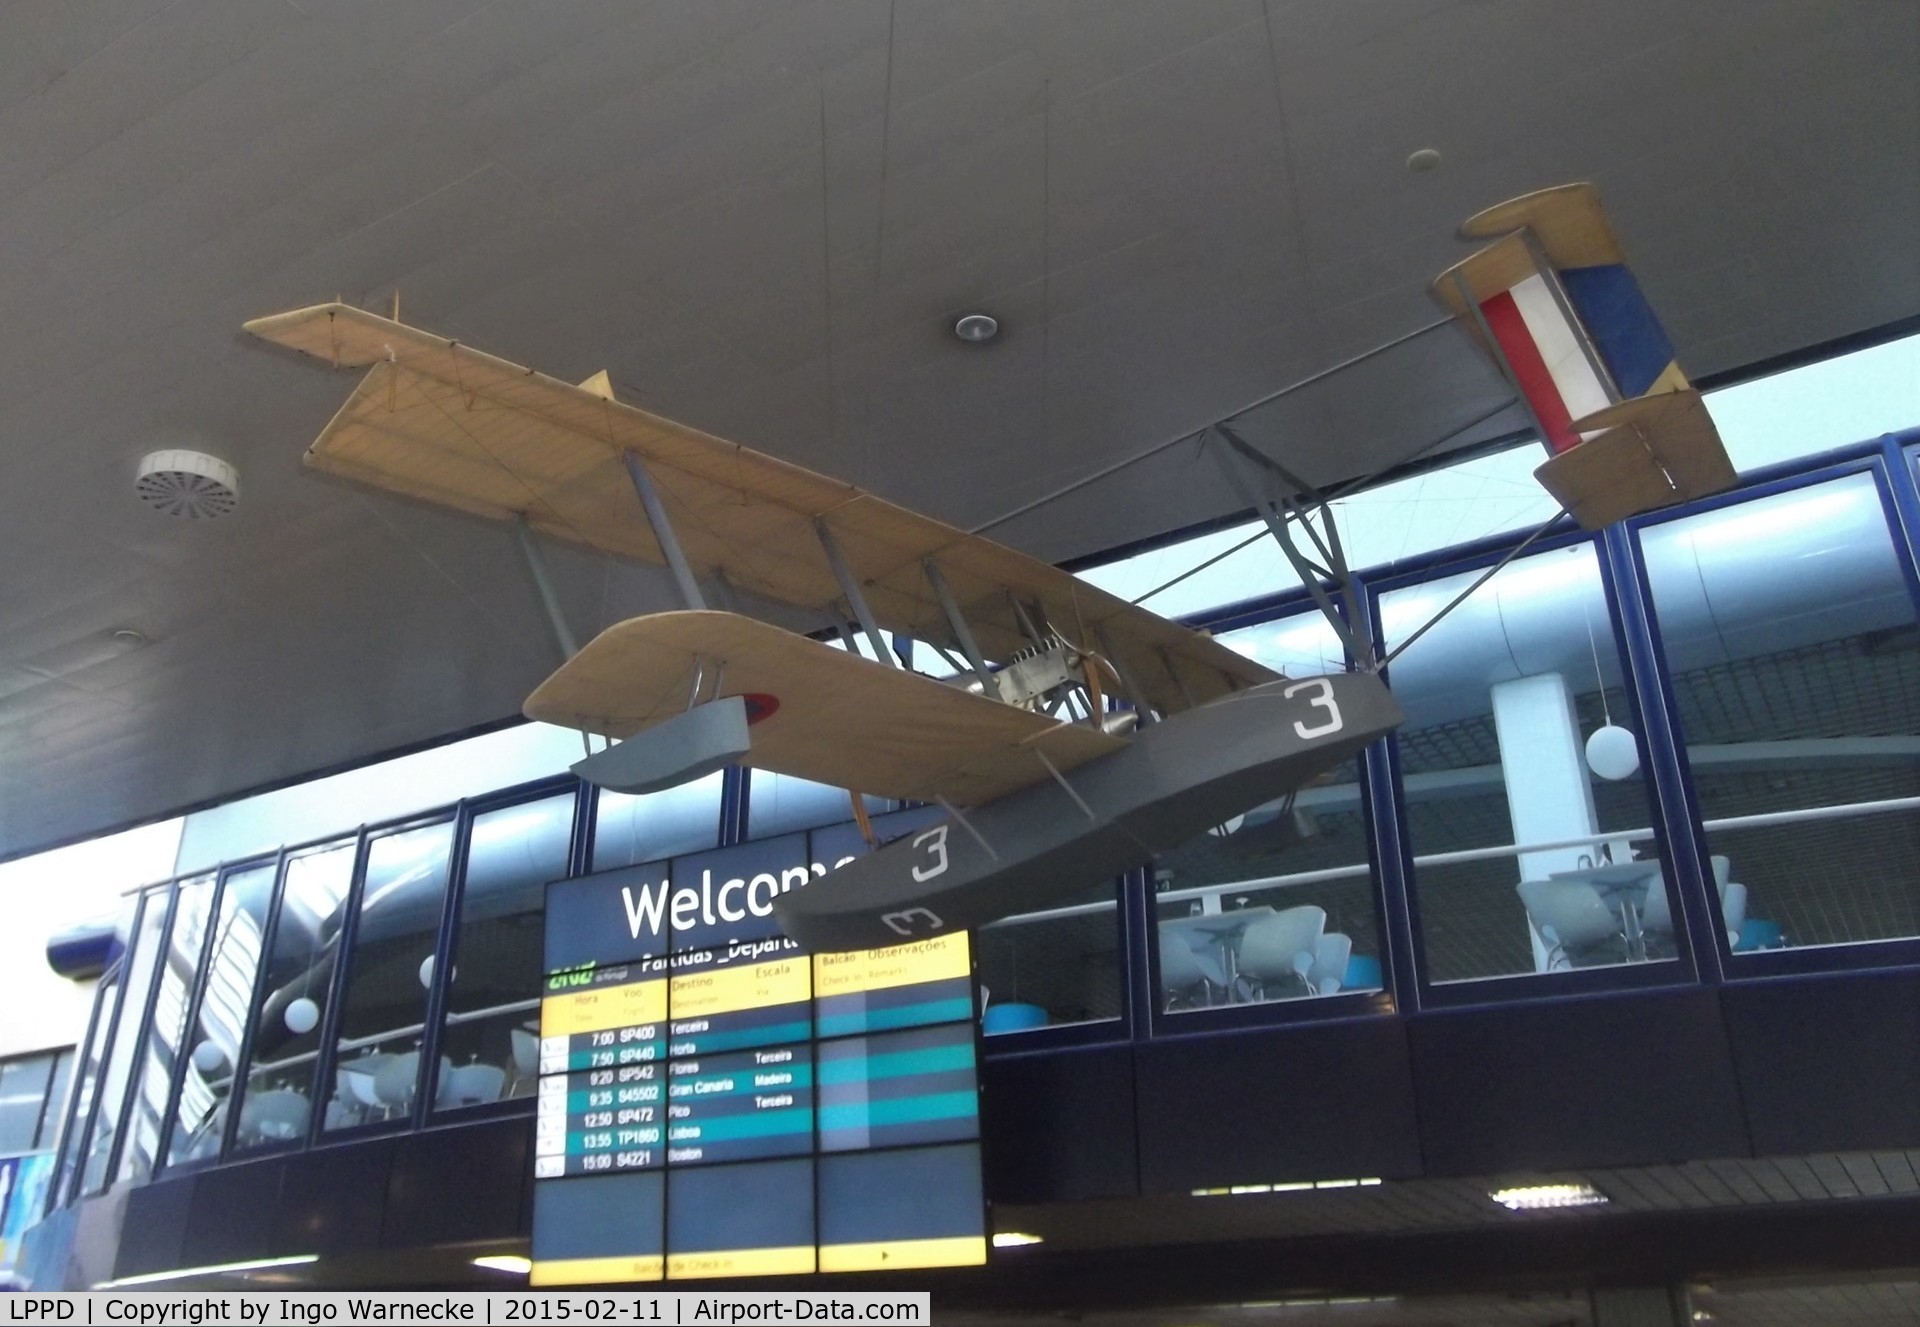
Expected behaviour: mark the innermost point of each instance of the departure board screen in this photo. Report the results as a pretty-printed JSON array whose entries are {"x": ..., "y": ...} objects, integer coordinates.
[{"x": 715, "y": 1103}]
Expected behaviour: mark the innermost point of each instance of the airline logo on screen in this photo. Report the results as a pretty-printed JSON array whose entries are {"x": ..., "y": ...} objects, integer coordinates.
[{"x": 652, "y": 908}]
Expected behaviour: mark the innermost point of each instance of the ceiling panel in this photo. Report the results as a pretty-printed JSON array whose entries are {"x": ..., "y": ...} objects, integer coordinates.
[{"x": 763, "y": 219}]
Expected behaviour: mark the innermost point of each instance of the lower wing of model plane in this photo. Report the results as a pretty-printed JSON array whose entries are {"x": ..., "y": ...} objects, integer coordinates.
[{"x": 811, "y": 710}]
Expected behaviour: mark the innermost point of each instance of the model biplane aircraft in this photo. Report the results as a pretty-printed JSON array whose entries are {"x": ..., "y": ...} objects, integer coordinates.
[
  {"x": 1046, "y": 786},
  {"x": 1079, "y": 734},
  {"x": 1554, "y": 303}
]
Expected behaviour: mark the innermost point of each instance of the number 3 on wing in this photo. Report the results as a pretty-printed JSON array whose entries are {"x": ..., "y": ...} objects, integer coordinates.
[
  {"x": 936, "y": 841},
  {"x": 1323, "y": 700}
]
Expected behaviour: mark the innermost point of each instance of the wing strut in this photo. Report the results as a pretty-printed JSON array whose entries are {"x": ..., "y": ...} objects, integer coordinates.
[
  {"x": 562, "y": 633},
  {"x": 1128, "y": 684},
  {"x": 1281, "y": 514},
  {"x": 855, "y": 600},
  {"x": 962, "y": 633},
  {"x": 1026, "y": 622},
  {"x": 663, "y": 531}
]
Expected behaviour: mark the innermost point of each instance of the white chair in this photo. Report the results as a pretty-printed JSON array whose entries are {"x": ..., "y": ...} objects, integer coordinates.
[
  {"x": 357, "y": 1078},
  {"x": 342, "y": 1113},
  {"x": 526, "y": 1046},
  {"x": 276, "y": 1116},
  {"x": 1279, "y": 947},
  {"x": 473, "y": 1085},
  {"x": 394, "y": 1082},
  {"x": 1330, "y": 955},
  {"x": 1656, "y": 914},
  {"x": 1733, "y": 910},
  {"x": 1180, "y": 969},
  {"x": 1570, "y": 916}
]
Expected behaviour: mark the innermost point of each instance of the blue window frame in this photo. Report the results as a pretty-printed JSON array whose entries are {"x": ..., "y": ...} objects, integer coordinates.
[
  {"x": 1783, "y": 619},
  {"x": 203, "y": 945},
  {"x": 1519, "y": 860},
  {"x": 1279, "y": 911}
]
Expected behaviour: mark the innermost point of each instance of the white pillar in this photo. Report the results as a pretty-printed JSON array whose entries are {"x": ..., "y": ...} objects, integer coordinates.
[{"x": 1544, "y": 764}]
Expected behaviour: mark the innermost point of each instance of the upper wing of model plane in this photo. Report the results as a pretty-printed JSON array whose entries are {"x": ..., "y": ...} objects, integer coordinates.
[{"x": 440, "y": 421}]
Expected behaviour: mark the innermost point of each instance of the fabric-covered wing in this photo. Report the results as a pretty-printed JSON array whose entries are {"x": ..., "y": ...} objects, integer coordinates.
[
  {"x": 836, "y": 718},
  {"x": 439, "y": 421}
]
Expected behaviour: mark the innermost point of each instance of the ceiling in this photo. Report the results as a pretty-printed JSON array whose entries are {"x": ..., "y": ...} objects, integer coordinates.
[{"x": 762, "y": 219}]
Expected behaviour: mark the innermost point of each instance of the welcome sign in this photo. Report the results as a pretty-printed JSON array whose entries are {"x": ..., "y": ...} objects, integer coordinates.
[
  {"x": 714, "y": 1102},
  {"x": 705, "y": 899}
]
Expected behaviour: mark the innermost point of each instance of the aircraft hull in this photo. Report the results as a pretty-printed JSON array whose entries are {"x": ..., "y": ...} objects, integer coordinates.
[{"x": 1043, "y": 845}]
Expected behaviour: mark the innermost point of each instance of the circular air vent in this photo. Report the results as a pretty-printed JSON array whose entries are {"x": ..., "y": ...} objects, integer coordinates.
[{"x": 191, "y": 484}]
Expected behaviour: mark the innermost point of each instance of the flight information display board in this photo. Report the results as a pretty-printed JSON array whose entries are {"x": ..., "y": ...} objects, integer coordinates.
[{"x": 715, "y": 1103}]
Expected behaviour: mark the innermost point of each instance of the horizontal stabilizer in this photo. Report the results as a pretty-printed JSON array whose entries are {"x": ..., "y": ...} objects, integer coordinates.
[{"x": 1650, "y": 452}]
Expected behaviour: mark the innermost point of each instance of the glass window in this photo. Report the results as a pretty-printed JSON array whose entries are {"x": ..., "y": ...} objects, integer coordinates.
[
  {"x": 1061, "y": 965},
  {"x": 220, "y": 1019},
  {"x": 630, "y": 830},
  {"x": 781, "y": 804},
  {"x": 1814, "y": 407},
  {"x": 413, "y": 784},
  {"x": 23, "y": 1097},
  {"x": 1472, "y": 499},
  {"x": 494, "y": 993},
  {"x": 384, "y": 1004},
  {"x": 55, "y": 1112},
  {"x": 1038, "y": 969},
  {"x": 1525, "y": 859},
  {"x": 106, "y": 999},
  {"x": 75, "y": 887},
  {"x": 154, "y": 1073},
  {"x": 276, "y": 1104},
  {"x": 1790, "y": 639},
  {"x": 142, "y": 961},
  {"x": 1277, "y": 903}
]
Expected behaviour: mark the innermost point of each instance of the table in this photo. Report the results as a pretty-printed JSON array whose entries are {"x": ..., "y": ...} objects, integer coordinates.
[
  {"x": 1623, "y": 886},
  {"x": 1215, "y": 930}
]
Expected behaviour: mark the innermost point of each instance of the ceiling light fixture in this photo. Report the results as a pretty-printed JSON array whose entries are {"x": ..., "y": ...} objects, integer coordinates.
[
  {"x": 505, "y": 1262},
  {"x": 977, "y": 328},
  {"x": 1286, "y": 1186},
  {"x": 211, "y": 1269},
  {"x": 1533, "y": 1197},
  {"x": 1011, "y": 1239},
  {"x": 1424, "y": 160}
]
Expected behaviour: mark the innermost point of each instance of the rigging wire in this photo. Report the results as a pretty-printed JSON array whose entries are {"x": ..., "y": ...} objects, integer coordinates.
[
  {"x": 1479, "y": 581},
  {"x": 1268, "y": 399},
  {"x": 1342, "y": 491}
]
